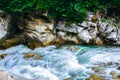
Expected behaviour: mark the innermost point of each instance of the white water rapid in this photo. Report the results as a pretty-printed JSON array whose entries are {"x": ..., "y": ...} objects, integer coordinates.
[{"x": 70, "y": 61}]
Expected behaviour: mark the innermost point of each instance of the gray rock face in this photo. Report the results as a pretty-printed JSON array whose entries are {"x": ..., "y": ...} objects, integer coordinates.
[
  {"x": 39, "y": 31},
  {"x": 73, "y": 29},
  {"x": 4, "y": 23},
  {"x": 112, "y": 36},
  {"x": 93, "y": 32},
  {"x": 42, "y": 32},
  {"x": 85, "y": 36}
]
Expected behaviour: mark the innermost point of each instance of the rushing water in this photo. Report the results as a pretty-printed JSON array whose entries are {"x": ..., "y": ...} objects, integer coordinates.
[{"x": 70, "y": 61}]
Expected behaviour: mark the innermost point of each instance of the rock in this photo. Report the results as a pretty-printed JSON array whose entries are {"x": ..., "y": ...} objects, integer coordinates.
[
  {"x": 34, "y": 44},
  {"x": 35, "y": 56},
  {"x": 94, "y": 77},
  {"x": 103, "y": 27},
  {"x": 115, "y": 75},
  {"x": 118, "y": 68},
  {"x": 62, "y": 34},
  {"x": 4, "y": 23},
  {"x": 99, "y": 41},
  {"x": 93, "y": 32},
  {"x": 84, "y": 24},
  {"x": 10, "y": 42},
  {"x": 28, "y": 55},
  {"x": 109, "y": 29},
  {"x": 89, "y": 16},
  {"x": 95, "y": 69},
  {"x": 67, "y": 37},
  {"x": 102, "y": 72},
  {"x": 70, "y": 38},
  {"x": 78, "y": 28},
  {"x": 73, "y": 29},
  {"x": 111, "y": 63},
  {"x": 6, "y": 76},
  {"x": 92, "y": 24},
  {"x": 112, "y": 36},
  {"x": 67, "y": 78},
  {"x": 2, "y": 56},
  {"x": 84, "y": 36}
]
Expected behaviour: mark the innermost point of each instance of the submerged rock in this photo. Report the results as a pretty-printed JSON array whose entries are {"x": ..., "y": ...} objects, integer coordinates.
[
  {"x": 95, "y": 69},
  {"x": 68, "y": 78},
  {"x": 94, "y": 77},
  {"x": 2, "y": 56},
  {"x": 35, "y": 56}
]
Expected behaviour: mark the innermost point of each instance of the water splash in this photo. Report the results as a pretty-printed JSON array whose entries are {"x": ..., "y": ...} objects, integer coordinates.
[{"x": 58, "y": 64}]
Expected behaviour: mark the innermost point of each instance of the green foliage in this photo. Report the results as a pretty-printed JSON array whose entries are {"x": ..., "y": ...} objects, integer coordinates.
[{"x": 70, "y": 10}]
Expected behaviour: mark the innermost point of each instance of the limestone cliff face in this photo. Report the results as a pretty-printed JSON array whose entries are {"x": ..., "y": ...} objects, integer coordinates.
[{"x": 38, "y": 32}]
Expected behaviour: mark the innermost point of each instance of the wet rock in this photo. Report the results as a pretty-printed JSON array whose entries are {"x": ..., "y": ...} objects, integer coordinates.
[
  {"x": 28, "y": 55},
  {"x": 68, "y": 78},
  {"x": 35, "y": 56},
  {"x": 102, "y": 72},
  {"x": 99, "y": 41},
  {"x": 118, "y": 68},
  {"x": 110, "y": 63},
  {"x": 2, "y": 56},
  {"x": 96, "y": 69},
  {"x": 115, "y": 75},
  {"x": 94, "y": 77}
]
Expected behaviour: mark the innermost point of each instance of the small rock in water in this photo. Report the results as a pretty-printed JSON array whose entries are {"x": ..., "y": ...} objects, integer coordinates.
[
  {"x": 68, "y": 78},
  {"x": 95, "y": 69},
  {"x": 110, "y": 63},
  {"x": 69, "y": 48},
  {"x": 118, "y": 68},
  {"x": 28, "y": 55},
  {"x": 2, "y": 56},
  {"x": 94, "y": 77},
  {"x": 35, "y": 56}
]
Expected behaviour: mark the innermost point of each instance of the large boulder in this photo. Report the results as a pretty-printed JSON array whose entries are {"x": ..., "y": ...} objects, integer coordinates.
[
  {"x": 6, "y": 76},
  {"x": 41, "y": 31},
  {"x": 84, "y": 36}
]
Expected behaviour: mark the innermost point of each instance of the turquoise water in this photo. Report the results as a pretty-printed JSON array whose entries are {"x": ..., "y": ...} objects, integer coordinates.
[{"x": 69, "y": 61}]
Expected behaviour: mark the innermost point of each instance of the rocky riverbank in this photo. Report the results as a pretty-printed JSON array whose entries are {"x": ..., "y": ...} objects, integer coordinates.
[{"x": 38, "y": 32}]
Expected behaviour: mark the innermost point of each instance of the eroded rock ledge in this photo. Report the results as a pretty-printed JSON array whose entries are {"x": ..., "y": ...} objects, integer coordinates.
[{"x": 37, "y": 32}]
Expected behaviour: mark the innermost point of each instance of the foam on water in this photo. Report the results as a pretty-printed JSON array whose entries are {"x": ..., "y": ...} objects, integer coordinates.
[
  {"x": 57, "y": 64},
  {"x": 54, "y": 65}
]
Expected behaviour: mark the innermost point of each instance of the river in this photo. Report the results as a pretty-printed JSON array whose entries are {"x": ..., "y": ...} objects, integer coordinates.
[{"x": 69, "y": 61}]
